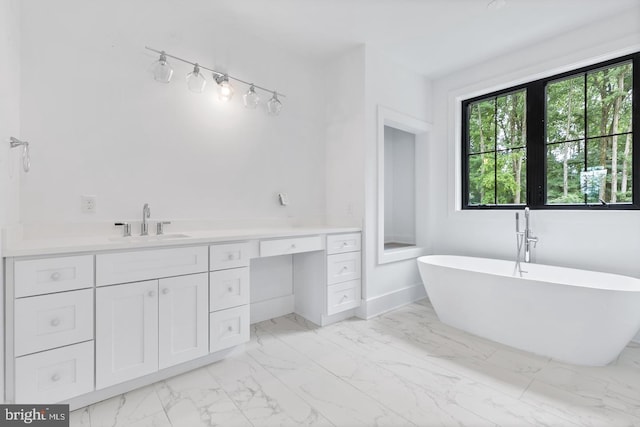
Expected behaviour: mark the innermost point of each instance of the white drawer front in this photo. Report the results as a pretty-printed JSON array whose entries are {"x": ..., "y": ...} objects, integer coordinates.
[
  {"x": 228, "y": 288},
  {"x": 343, "y": 296},
  {"x": 290, "y": 246},
  {"x": 229, "y": 255},
  {"x": 55, "y": 375},
  {"x": 228, "y": 328},
  {"x": 50, "y": 321},
  {"x": 44, "y": 276},
  {"x": 341, "y": 243},
  {"x": 343, "y": 267},
  {"x": 123, "y": 267}
]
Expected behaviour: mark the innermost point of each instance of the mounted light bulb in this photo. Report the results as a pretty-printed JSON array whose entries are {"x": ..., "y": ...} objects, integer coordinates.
[
  {"x": 251, "y": 98},
  {"x": 274, "y": 106},
  {"x": 161, "y": 69},
  {"x": 225, "y": 90},
  {"x": 195, "y": 80}
]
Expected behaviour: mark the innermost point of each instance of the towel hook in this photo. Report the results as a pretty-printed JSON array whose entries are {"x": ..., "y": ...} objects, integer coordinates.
[{"x": 26, "y": 157}]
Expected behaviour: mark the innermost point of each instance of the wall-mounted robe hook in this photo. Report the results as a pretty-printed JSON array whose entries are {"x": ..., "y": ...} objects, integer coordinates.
[{"x": 26, "y": 157}]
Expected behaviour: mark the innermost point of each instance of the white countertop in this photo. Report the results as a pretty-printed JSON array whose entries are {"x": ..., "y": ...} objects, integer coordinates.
[{"x": 66, "y": 245}]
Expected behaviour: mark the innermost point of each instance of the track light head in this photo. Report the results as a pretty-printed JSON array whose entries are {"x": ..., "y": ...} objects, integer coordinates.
[
  {"x": 274, "y": 106},
  {"x": 161, "y": 69},
  {"x": 251, "y": 99},
  {"x": 225, "y": 90}
]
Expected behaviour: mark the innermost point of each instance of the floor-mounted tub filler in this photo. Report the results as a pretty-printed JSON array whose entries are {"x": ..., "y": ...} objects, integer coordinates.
[{"x": 576, "y": 316}]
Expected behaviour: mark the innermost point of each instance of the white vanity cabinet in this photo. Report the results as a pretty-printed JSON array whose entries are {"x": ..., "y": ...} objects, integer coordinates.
[
  {"x": 148, "y": 325},
  {"x": 145, "y": 326},
  {"x": 229, "y": 295},
  {"x": 126, "y": 332},
  {"x": 344, "y": 267},
  {"x": 49, "y": 348},
  {"x": 83, "y": 327}
]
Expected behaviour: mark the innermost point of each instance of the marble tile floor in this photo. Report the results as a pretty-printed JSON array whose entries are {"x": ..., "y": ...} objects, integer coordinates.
[{"x": 404, "y": 368}]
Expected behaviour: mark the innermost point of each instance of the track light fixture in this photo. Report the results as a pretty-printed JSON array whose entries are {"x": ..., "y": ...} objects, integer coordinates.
[
  {"x": 274, "y": 106},
  {"x": 251, "y": 99},
  {"x": 161, "y": 69},
  {"x": 196, "y": 82},
  {"x": 225, "y": 90}
]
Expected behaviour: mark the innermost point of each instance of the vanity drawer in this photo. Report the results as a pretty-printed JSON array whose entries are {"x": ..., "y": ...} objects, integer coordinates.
[
  {"x": 50, "y": 321},
  {"x": 228, "y": 328},
  {"x": 343, "y": 267},
  {"x": 341, "y": 243},
  {"x": 47, "y": 275},
  {"x": 290, "y": 246},
  {"x": 343, "y": 296},
  {"x": 228, "y": 288},
  {"x": 55, "y": 375},
  {"x": 123, "y": 267},
  {"x": 229, "y": 255}
]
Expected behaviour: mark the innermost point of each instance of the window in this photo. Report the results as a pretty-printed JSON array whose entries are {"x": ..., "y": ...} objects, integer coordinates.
[{"x": 566, "y": 141}]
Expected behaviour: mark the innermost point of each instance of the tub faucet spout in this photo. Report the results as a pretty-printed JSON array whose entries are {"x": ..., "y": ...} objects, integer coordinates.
[{"x": 529, "y": 238}]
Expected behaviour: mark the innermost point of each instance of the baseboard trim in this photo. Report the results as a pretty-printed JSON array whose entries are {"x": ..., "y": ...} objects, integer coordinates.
[
  {"x": 271, "y": 308},
  {"x": 381, "y": 304}
]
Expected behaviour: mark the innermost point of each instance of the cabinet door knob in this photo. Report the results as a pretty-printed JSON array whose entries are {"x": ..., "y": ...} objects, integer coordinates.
[
  {"x": 152, "y": 293},
  {"x": 55, "y": 378},
  {"x": 165, "y": 291},
  {"x": 54, "y": 322},
  {"x": 55, "y": 276},
  {"x": 293, "y": 246},
  {"x": 230, "y": 328},
  {"x": 230, "y": 288},
  {"x": 345, "y": 268},
  {"x": 230, "y": 257}
]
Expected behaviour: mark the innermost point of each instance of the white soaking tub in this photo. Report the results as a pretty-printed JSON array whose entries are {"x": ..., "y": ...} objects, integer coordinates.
[{"x": 576, "y": 316}]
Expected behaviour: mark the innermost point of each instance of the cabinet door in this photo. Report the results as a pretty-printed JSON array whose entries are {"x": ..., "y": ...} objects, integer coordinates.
[
  {"x": 183, "y": 321},
  {"x": 126, "y": 332}
]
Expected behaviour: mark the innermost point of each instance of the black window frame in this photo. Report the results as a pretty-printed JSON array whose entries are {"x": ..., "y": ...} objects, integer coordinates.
[{"x": 536, "y": 141}]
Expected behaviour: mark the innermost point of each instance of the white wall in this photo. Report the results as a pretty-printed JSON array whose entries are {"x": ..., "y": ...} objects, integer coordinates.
[
  {"x": 344, "y": 137},
  {"x": 402, "y": 90},
  {"x": 605, "y": 241},
  {"x": 399, "y": 186},
  {"x": 100, "y": 125},
  {"x": 9, "y": 126}
]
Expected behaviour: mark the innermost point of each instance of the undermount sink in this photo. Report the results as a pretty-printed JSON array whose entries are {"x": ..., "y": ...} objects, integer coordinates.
[{"x": 153, "y": 238}]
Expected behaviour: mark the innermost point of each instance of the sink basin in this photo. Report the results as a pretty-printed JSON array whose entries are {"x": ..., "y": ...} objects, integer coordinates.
[{"x": 155, "y": 238}]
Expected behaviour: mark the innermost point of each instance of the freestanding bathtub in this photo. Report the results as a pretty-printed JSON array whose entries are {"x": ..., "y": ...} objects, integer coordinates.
[{"x": 576, "y": 316}]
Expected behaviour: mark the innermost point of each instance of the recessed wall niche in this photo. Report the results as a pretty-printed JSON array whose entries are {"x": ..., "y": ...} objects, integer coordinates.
[{"x": 401, "y": 160}]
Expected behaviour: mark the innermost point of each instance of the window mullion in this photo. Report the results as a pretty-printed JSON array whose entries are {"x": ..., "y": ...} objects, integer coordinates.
[{"x": 536, "y": 146}]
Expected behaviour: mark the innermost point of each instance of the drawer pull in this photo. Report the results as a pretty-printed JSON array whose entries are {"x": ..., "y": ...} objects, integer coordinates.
[
  {"x": 293, "y": 246},
  {"x": 345, "y": 244},
  {"x": 55, "y": 276},
  {"x": 55, "y": 322},
  {"x": 164, "y": 291},
  {"x": 55, "y": 378},
  {"x": 230, "y": 289},
  {"x": 151, "y": 293},
  {"x": 345, "y": 268},
  {"x": 230, "y": 257},
  {"x": 344, "y": 297},
  {"x": 230, "y": 328}
]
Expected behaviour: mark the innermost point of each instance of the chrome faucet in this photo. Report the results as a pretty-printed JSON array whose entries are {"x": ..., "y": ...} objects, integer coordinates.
[
  {"x": 146, "y": 213},
  {"x": 528, "y": 237}
]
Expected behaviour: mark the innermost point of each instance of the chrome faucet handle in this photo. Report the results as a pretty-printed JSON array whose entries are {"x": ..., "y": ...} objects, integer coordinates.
[
  {"x": 126, "y": 228},
  {"x": 160, "y": 227}
]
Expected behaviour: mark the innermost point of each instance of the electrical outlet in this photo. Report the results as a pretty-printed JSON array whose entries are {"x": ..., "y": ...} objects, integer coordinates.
[{"x": 88, "y": 204}]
